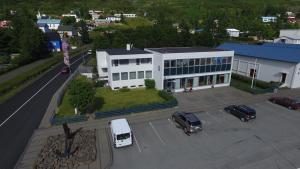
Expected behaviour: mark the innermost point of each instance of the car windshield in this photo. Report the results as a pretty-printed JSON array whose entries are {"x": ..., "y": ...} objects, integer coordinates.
[
  {"x": 196, "y": 123},
  {"x": 123, "y": 136}
]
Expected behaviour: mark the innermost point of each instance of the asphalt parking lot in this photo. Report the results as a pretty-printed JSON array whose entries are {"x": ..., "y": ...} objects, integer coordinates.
[{"x": 272, "y": 141}]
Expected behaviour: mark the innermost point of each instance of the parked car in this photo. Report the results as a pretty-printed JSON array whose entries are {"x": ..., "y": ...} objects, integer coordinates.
[
  {"x": 244, "y": 113},
  {"x": 121, "y": 133},
  {"x": 286, "y": 102},
  {"x": 188, "y": 121},
  {"x": 65, "y": 70}
]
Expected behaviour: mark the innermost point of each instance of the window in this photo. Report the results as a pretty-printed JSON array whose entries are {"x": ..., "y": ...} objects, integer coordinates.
[
  {"x": 173, "y": 63},
  {"x": 229, "y": 60},
  {"x": 141, "y": 74},
  {"x": 203, "y": 60},
  {"x": 115, "y": 62},
  {"x": 185, "y": 62},
  {"x": 146, "y": 61},
  {"x": 197, "y": 62},
  {"x": 124, "y": 61},
  {"x": 173, "y": 71},
  {"x": 148, "y": 74},
  {"x": 124, "y": 76},
  {"x": 191, "y": 62},
  {"x": 116, "y": 76},
  {"x": 167, "y": 63},
  {"x": 179, "y": 63},
  {"x": 104, "y": 70},
  {"x": 167, "y": 72},
  {"x": 132, "y": 75},
  {"x": 202, "y": 80},
  {"x": 208, "y": 61},
  {"x": 138, "y": 61}
]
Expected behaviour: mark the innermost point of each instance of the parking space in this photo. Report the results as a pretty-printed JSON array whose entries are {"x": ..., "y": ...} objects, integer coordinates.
[{"x": 271, "y": 141}]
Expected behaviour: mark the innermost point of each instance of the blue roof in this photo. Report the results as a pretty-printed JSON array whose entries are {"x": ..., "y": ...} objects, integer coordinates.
[
  {"x": 48, "y": 21},
  {"x": 271, "y": 52},
  {"x": 283, "y": 45}
]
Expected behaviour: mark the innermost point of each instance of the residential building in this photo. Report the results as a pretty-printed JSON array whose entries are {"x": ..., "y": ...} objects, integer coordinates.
[
  {"x": 233, "y": 32},
  {"x": 268, "y": 19},
  {"x": 53, "y": 24},
  {"x": 124, "y": 68},
  {"x": 5, "y": 24},
  {"x": 43, "y": 27},
  {"x": 126, "y": 15},
  {"x": 95, "y": 14},
  {"x": 176, "y": 69},
  {"x": 291, "y": 19},
  {"x": 269, "y": 62},
  {"x": 72, "y": 15},
  {"x": 113, "y": 19},
  {"x": 54, "y": 41},
  {"x": 67, "y": 30},
  {"x": 289, "y": 36}
]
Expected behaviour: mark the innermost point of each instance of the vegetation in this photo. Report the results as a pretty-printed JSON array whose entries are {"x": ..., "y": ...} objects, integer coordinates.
[
  {"x": 165, "y": 95},
  {"x": 150, "y": 83},
  {"x": 81, "y": 94}
]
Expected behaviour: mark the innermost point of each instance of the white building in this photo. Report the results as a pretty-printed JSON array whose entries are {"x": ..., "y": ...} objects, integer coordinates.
[
  {"x": 113, "y": 19},
  {"x": 172, "y": 68},
  {"x": 53, "y": 24},
  {"x": 289, "y": 36},
  {"x": 126, "y": 15},
  {"x": 233, "y": 32},
  {"x": 267, "y": 62},
  {"x": 268, "y": 19}
]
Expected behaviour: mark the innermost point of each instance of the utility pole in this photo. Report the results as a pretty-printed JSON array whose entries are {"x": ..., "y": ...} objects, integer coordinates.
[{"x": 254, "y": 73}]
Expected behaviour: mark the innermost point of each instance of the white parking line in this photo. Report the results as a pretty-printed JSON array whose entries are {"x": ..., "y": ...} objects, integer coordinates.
[
  {"x": 155, "y": 131},
  {"x": 33, "y": 96},
  {"x": 137, "y": 143}
]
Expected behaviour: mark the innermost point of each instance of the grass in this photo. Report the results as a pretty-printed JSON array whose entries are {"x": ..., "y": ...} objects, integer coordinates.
[{"x": 111, "y": 100}]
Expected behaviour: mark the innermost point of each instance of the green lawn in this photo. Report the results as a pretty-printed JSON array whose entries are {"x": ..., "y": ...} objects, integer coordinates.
[{"x": 111, "y": 100}]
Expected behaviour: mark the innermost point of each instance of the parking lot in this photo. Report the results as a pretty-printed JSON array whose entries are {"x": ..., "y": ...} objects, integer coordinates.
[{"x": 271, "y": 141}]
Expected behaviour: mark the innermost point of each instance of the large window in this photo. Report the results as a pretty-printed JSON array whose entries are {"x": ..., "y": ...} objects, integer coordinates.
[
  {"x": 124, "y": 61},
  {"x": 146, "y": 61},
  {"x": 124, "y": 76},
  {"x": 141, "y": 74},
  {"x": 115, "y": 62},
  {"x": 116, "y": 76},
  {"x": 148, "y": 74},
  {"x": 132, "y": 75}
]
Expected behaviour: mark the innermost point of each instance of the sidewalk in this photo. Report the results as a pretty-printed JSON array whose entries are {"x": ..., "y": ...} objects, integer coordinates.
[{"x": 13, "y": 73}]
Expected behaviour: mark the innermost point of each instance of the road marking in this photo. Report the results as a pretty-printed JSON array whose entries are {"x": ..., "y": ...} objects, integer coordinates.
[
  {"x": 137, "y": 143},
  {"x": 155, "y": 131},
  {"x": 33, "y": 96}
]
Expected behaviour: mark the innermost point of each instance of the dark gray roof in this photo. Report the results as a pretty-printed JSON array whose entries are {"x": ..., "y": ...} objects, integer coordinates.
[
  {"x": 52, "y": 36},
  {"x": 184, "y": 49},
  {"x": 123, "y": 51},
  {"x": 66, "y": 28}
]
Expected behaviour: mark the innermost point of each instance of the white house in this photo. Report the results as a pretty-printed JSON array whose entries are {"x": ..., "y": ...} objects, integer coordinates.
[
  {"x": 267, "y": 62},
  {"x": 175, "y": 68},
  {"x": 233, "y": 32},
  {"x": 289, "y": 36},
  {"x": 53, "y": 24},
  {"x": 113, "y": 19},
  {"x": 126, "y": 15},
  {"x": 268, "y": 19}
]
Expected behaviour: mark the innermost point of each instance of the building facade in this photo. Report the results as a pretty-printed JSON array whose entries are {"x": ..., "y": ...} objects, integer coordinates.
[
  {"x": 289, "y": 36},
  {"x": 53, "y": 24},
  {"x": 175, "y": 69},
  {"x": 268, "y": 62}
]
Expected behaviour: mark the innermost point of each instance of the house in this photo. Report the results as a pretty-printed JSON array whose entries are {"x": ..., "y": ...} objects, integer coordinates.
[
  {"x": 95, "y": 14},
  {"x": 53, "y": 24},
  {"x": 173, "y": 68},
  {"x": 100, "y": 22},
  {"x": 71, "y": 15},
  {"x": 5, "y": 24},
  {"x": 43, "y": 27},
  {"x": 268, "y": 19},
  {"x": 113, "y": 19},
  {"x": 269, "y": 62},
  {"x": 126, "y": 15},
  {"x": 291, "y": 19},
  {"x": 68, "y": 30},
  {"x": 233, "y": 32},
  {"x": 54, "y": 41},
  {"x": 289, "y": 36}
]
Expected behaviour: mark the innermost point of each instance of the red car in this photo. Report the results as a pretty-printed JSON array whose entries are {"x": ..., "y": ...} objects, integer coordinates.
[
  {"x": 65, "y": 70},
  {"x": 286, "y": 102}
]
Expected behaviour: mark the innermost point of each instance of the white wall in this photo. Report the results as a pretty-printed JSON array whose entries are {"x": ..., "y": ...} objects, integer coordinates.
[
  {"x": 101, "y": 57},
  {"x": 158, "y": 68},
  {"x": 267, "y": 70},
  {"x": 296, "y": 78}
]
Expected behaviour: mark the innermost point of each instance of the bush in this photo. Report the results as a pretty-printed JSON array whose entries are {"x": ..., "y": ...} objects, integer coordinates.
[
  {"x": 150, "y": 83},
  {"x": 124, "y": 90},
  {"x": 99, "y": 83},
  {"x": 165, "y": 95},
  {"x": 258, "y": 83}
]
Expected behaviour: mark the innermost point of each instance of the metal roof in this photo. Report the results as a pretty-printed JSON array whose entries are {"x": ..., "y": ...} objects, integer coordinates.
[
  {"x": 123, "y": 51},
  {"x": 49, "y": 21},
  {"x": 184, "y": 49},
  {"x": 283, "y": 45},
  {"x": 279, "y": 53}
]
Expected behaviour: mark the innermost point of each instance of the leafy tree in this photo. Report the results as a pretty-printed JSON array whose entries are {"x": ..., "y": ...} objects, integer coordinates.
[
  {"x": 68, "y": 20},
  {"x": 82, "y": 94},
  {"x": 85, "y": 38}
]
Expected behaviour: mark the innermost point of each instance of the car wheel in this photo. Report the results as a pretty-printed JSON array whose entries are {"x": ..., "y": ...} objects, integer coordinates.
[{"x": 243, "y": 119}]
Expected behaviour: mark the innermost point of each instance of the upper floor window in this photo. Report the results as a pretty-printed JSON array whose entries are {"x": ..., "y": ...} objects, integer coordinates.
[
  {"x": 146, "y": 61},
  {"x": 124, "y": 61},
  {"x": 115, "y": 62}
]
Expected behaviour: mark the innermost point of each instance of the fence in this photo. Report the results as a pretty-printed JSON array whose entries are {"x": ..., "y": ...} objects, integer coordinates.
[{"x": 137, "y": 109}]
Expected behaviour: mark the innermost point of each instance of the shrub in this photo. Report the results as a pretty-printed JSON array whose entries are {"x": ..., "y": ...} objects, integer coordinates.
[
  {"x": 149, "y": 83},
  {"x": 124, "y": 90},
  {"x": 165, "y": 95},
  {"x": 258, "y": 83},
  {"x": 99, "y": 83}
]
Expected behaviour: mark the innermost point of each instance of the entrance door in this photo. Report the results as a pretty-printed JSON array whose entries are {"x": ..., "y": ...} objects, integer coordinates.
[
  {"x": 190, "y": 82},
  {"x": 283, "y": 77}
]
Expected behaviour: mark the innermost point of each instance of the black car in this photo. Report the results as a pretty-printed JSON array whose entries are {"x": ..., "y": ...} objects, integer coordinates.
[
  {"x": 188, "y": 121},
  {"x": 244, "y": 113}
]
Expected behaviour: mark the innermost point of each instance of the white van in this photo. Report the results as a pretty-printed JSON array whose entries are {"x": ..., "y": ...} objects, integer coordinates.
[{"x": 121, "y": 133}]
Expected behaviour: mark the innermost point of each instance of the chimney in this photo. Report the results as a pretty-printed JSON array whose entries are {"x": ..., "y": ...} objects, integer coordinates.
[{"x": 128, "y": 47}]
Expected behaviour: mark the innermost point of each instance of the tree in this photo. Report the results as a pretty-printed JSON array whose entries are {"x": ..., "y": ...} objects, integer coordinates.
[
  {"x": 82, "y": 94},
  {"x": 85, "y": 38},
  {"x": 68, "y": 20}
]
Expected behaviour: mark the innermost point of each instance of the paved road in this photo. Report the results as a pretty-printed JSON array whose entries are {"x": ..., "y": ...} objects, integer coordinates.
[{"x": 21, "y": 115}]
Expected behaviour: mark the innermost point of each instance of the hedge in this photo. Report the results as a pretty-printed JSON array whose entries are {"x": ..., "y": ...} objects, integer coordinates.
[{"x": 149, "y": 83}]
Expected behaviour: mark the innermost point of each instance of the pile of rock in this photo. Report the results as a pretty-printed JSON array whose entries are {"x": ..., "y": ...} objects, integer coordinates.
[{"x": 83, "y": 151}]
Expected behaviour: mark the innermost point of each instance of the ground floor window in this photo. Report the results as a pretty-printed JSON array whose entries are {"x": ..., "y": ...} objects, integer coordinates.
[
  {"x": 148, "y": 74},
  {"x": 124, "y": 76},
  {"x": 116, "y": 76}
]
